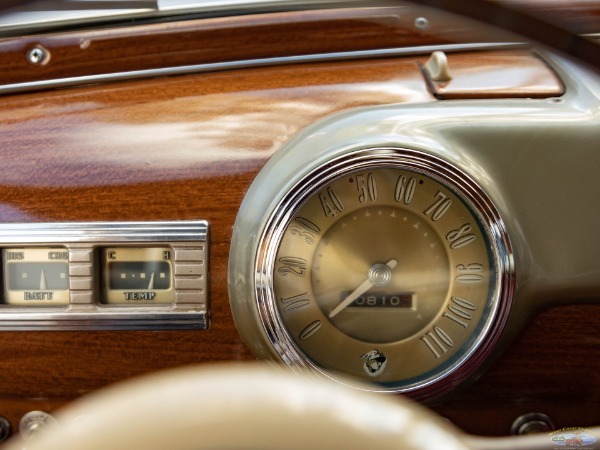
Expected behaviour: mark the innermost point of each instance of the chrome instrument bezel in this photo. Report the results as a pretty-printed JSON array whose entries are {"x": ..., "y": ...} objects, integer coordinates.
[
  {"x": 447, "y": 174},
  {"x": 188, "y": 239}
]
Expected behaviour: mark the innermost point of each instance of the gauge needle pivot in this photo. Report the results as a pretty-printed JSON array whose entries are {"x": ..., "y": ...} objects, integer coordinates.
[{"x": 379, "y": 275}]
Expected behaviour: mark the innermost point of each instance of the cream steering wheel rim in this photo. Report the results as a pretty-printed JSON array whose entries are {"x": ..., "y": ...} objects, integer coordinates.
[{"x": 247, "y": 406}]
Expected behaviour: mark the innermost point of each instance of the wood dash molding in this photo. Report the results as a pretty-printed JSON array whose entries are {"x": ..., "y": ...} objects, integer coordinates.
[{"x": 193, "y": 42}]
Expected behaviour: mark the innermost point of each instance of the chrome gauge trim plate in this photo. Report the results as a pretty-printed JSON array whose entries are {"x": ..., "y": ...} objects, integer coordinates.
[
  {"x": 282, "y": 232},
  {"x": 104, "y": 276}
]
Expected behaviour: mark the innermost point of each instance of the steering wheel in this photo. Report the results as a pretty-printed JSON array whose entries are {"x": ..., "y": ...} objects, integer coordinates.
[
  {"x": 244, "y": 407},
  {"x": 252, "y": 406}
]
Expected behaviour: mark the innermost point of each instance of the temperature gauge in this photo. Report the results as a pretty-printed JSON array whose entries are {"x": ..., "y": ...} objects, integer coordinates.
[
  {"x": 138, "y": 275},
  {"x": 36, "y": 276}
]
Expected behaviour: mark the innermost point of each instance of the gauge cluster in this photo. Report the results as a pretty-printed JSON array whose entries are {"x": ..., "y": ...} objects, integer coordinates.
[
  {"x": 387, "y": 265},
  {"x": 138, "y": 275}
]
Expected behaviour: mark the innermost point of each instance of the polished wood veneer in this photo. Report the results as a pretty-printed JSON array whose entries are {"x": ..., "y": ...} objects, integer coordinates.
[
  {"x": 544, "y": 371},
  {"x": 188, "y": 148},
  {"x": 190, "y": 42},
  {"x": 165, "y": 149},
  {"x": 581, "y": 16},
  {"x": 553, "y": 367}
]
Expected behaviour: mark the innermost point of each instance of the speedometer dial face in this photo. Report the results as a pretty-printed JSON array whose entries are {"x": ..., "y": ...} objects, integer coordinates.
[{"x": 387, "y": 269}]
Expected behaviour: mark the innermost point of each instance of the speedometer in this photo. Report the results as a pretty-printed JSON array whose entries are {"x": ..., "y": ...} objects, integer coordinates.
[{"x": 387, "y": 265}]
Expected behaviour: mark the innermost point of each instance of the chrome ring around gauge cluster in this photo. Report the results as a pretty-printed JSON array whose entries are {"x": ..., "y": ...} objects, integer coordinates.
[{"x": 295, "y": 352}]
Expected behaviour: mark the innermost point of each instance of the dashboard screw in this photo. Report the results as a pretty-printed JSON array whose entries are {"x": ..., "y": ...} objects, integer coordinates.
[
  {"x": 38, "y": 55},
  {"x": 421, "y": 23}
]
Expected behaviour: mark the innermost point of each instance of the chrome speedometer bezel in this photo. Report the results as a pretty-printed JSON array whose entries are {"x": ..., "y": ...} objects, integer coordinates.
[{"x": 478, "y": 349}]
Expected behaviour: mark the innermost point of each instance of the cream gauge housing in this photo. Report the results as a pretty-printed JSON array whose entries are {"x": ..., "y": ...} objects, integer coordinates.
[{"x": 387, "y": 263}]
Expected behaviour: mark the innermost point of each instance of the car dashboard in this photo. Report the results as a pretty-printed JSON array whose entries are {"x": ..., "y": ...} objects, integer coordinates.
[{"x": 186, "y": 152}]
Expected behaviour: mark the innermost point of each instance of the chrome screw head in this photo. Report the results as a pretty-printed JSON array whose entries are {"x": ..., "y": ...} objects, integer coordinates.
[
  {"x": 421, "y": 23},
  {"x": 38, "y": 55}
]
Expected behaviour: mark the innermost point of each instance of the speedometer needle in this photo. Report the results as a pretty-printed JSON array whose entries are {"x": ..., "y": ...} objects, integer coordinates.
[{"x": 379, "y": 275}]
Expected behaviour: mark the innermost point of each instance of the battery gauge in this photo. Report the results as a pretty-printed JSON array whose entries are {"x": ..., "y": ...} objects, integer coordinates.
[
  {"x": 138, "y": 275},
  {"x": 36, "y": 276}
]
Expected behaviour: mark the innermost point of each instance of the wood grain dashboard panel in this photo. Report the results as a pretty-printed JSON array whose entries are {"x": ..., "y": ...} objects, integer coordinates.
[
  {"x": 104, "y": 50},
  {"x": 200, "y": 41},
  {"x": 178, "y": 148},
  {"x": 188, "y": 148}
]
